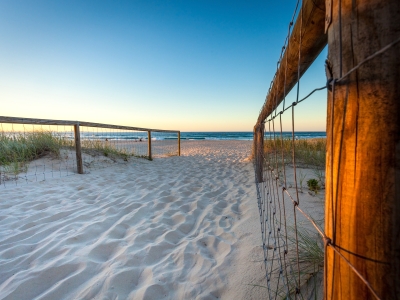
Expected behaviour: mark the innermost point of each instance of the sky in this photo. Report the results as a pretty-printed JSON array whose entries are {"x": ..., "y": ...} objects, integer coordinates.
[{"x": 180, "y": 65}]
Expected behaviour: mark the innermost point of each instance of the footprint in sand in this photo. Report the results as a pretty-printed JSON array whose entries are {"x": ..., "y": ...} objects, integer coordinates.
[
  {"x": 225, "y": 222},
  {"x": 173, "y": 237},
  {"x": 103, "y": 252},
  {"x": 119, "y": 231}
]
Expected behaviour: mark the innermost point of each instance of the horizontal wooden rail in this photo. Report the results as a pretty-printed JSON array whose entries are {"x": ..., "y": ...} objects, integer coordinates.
[
  {"x": 72, "y": 123},
  {"x": 308, "y": 36},
  {"x": 77, "y": 137},
  {"x": 309, "y": 30}
]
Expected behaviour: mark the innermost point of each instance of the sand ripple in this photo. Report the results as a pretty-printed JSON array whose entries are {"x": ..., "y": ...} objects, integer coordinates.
[{"x": 167, "y": 229}]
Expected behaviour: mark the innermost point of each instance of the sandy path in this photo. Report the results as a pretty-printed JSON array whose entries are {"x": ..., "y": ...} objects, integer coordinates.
[{"x": 175, "y": 228}]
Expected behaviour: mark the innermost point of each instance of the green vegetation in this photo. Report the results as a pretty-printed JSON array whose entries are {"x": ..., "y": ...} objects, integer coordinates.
[
  {"x": 110, "y": 150},
  {"x": 107, "y": 149},
  {"x": 313, "y": 185},
  {"x": 310, "y": 263},
  {"x": 308, "y": 152},
  {"x": 18, "y": 149},
  {"x": 311, "y": 257}
]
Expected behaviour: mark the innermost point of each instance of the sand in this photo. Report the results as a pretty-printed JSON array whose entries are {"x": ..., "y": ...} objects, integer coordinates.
[{"x": 172, "y": 228}]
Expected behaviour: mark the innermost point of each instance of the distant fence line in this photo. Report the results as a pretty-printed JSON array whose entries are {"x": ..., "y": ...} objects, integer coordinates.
[{"x": 102, "y": 140}]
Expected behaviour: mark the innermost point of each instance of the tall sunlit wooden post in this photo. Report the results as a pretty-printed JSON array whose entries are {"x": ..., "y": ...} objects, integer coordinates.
[{"x": 363, "y": 150}]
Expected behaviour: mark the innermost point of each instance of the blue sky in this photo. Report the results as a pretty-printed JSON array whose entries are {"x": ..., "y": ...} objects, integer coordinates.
[{"x": 186, "y": 65}]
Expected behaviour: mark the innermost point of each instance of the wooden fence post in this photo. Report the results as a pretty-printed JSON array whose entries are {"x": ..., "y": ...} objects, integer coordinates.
[
  {"x": 179, "y": 143},
  {"x": 149, "y": 145},
  {"x": 258, "y": 148},
  {"x": 78, "y": 149},
  {"x": 362, "y": 210}
]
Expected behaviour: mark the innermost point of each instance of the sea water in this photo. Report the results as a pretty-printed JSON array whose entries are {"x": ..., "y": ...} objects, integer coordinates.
[
  {"x": 243, "y": 135},
  {"x": 248, "y": 136}
]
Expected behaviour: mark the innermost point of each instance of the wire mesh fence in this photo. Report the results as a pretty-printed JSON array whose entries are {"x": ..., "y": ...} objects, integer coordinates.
[
  {"x": 106, "y": 146},
  {"x": 165, "y": 144},
  {"x": 290, "y": 172},
  {"x": 290, "y": 191},
  {"x": 35, "y": 150}
]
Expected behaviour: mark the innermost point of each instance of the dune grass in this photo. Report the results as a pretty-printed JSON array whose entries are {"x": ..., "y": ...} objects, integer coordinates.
[
  {"x": 308, "y": 152},
  {"x": 18, "y": 149},
  {"x": 311, "y": 251},
  {"x": 104, "y": 148},
  {"x": 97, "y": 148},
  {"x": 311, "y": 258},
  {"x": 311, "y": 263}
]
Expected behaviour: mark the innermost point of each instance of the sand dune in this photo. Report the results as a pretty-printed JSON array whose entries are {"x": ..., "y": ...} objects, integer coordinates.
[{"x": 175, "y": 228}]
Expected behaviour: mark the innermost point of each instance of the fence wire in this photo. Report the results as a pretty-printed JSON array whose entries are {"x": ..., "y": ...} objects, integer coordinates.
[
  {"x": 293, "y": 236},
  {"x": 104, "y": 146},
  {"x": 30, "y": 153},
  {"x": 291, "y": 215},
  {"x": 36, "y": 152},
  {"x": 164, "y": 144}
]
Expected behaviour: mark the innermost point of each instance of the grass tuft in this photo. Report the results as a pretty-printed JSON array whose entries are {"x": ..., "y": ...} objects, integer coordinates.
[
  {"x": 313, "y": 185},
  {"x": 311, "y": 255},
  {"x": 311, "y": 263}
]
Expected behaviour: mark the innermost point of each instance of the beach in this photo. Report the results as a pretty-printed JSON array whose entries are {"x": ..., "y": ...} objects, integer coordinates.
[{"x": 173, "y": 228}]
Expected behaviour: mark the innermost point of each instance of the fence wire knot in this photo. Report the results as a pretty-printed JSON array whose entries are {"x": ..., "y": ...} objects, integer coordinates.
[
  {"x": 329, "y": 76},
  {"x": 327, "y": 241}
]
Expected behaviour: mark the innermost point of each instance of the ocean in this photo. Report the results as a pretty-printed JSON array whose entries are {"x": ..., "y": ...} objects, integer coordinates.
[
  {"x": 242, "y": 136},
  {"x": 247, "y": 136}
]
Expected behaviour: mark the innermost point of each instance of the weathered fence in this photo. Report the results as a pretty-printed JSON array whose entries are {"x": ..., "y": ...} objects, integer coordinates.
[
  {"x": 36, "y": 147},
  {"x": 361, "y": 236}
]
